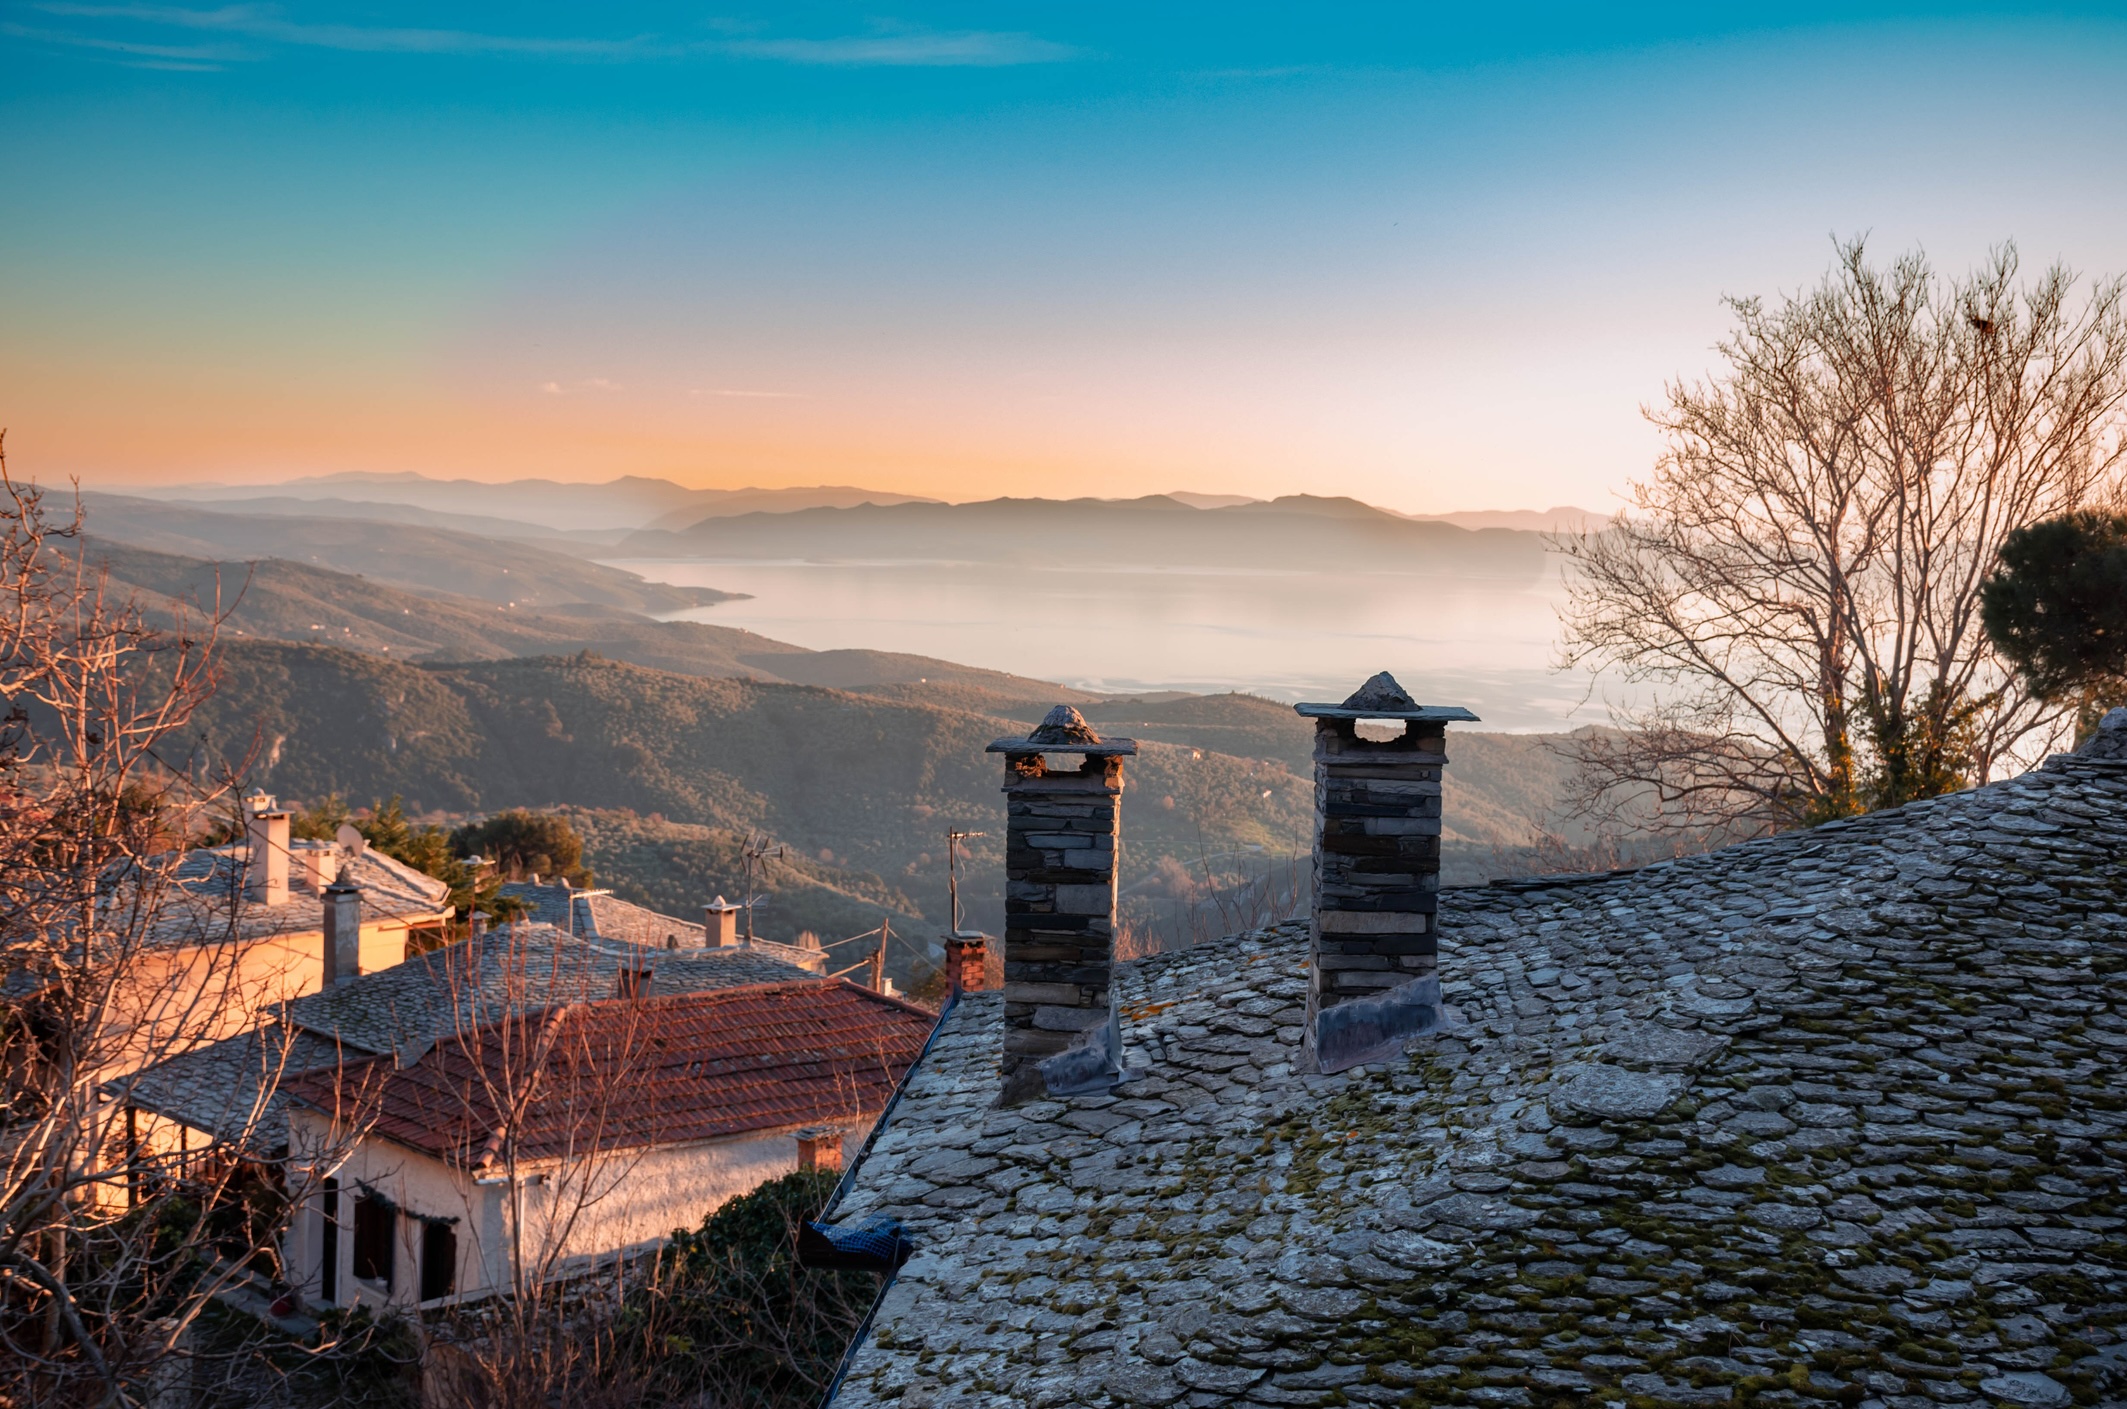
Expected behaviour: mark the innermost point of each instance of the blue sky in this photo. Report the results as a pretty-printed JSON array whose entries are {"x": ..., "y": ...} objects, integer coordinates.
[{"x": 1434, "y": 257}]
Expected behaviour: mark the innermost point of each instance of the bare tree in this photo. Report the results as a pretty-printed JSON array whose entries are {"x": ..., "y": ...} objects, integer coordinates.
[
  {"x": 1796, "y": 590},
  {"x": 112, "y": 1243},
  {"x": 554, "y": 1095}
]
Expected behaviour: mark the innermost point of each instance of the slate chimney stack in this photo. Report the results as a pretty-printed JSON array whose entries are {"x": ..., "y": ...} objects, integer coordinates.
[
  {"x": 265, "y": 850},
  {"x": 343, "y": 932},
  {"x": 1371, "y": 979},
  {"x": 1060, "y": 1030},
  {"x": 720, "y": 924}
]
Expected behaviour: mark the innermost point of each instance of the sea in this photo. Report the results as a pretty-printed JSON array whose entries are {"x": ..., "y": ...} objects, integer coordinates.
[{"x": 1287, "y": 635}]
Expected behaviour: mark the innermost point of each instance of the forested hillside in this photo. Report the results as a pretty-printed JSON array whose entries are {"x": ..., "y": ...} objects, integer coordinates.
[{"x": 874, "y": 783}]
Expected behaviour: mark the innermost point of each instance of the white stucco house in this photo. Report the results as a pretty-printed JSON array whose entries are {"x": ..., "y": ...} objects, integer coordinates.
[{"x": 540, "y": 1144}]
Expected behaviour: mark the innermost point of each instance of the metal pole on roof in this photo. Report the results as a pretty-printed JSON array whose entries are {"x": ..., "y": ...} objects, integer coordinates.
[{"x": 953, "y": 838}]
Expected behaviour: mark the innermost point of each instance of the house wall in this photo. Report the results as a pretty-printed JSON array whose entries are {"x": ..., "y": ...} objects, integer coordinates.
[
  {"x": 187, "y": 996},
  {"x": 572, "y": 1216}
]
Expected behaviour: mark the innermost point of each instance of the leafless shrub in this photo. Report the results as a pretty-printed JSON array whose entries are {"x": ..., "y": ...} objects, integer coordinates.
[{"x": 114, "y": 1239}]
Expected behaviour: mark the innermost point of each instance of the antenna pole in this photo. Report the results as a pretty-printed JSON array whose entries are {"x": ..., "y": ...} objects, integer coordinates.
[{"x": 953, "y": 838}]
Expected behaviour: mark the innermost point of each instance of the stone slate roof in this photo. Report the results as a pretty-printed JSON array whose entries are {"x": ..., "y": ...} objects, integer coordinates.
[
  {"x": 217, "y": 1088},
  {"x": 205, "y": 902},
  {"x": 604, "y": 915},
  {"x": 629, "y": 1073},
  {"x": 1832, "y": 1117},
  {"x": 408, "y": 1006},
  {"x": 210, "y": 880}
]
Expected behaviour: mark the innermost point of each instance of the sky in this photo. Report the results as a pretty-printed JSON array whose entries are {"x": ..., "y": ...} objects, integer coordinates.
[{"x": 1435, "y": 257}]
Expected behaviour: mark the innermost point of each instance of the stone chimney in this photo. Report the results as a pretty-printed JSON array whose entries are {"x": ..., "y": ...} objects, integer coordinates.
[
  {"x": 1063, "y": 788},
  {"x": 343, "y": 932},
  {"x": 720, "y": 924},
  {"x": 966, "y": 954},
  {"x": 1371, "y": 978},
  {"x": 265, "y": 851}
]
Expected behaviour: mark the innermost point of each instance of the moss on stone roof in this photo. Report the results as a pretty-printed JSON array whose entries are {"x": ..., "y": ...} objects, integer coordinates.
[{"x": 1834, "y": 1117}]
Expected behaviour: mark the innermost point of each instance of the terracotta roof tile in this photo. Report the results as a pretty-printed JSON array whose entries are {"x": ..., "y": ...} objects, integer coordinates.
[{"x": 627, "y": 1073}]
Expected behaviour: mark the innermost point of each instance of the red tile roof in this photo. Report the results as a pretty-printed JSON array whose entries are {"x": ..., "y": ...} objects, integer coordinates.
[{"x": 627, "y": 1073}]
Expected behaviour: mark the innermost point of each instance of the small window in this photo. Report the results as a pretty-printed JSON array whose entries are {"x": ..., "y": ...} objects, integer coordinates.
[
  {"x": 632, "y": 983},
  {"x": 374, "y": 1223},
  {"x": 439, "y": 1260}
]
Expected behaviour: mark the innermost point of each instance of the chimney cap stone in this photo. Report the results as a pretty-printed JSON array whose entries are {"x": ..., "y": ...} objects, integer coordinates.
[
  {"x": 1382, "y": 698},
  {"x": 1065, "y": 731}
]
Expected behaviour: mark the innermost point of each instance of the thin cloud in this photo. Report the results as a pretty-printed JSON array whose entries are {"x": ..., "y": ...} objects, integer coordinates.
[
  {"x": 265, "y": 22},
  {"x": 910, "y": 49},
  {"x": 969, "y": 49},
  {"x": 192, "y": 54}
]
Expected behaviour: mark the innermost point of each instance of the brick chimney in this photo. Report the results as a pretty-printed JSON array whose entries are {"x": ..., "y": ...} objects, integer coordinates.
[
  {"x": 966, "y": 954},
  {"x": 1371, "y": 978},
  {"x": 1063, "y": 788},
  {"x": 720, "y": 924},
  {"x": 343, "y": 932},
  {"x": 265, "y": 850},
  {"x": 819, "y": 1147}
]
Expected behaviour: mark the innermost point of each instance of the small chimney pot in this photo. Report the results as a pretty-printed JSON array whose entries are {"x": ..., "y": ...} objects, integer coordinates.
[
  {"x": 720, "y": 924},
  {"x": 265, "y": 852},
  {"x": 819, "y": 1148},
  {"x": 966, "y": 958}
]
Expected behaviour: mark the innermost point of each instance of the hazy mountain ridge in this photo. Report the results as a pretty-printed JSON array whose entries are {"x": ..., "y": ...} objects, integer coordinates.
[
  {"x": 629, "y": 502},
  {"x": 408, "y": 555},
  {"x": 589, "y": 513},
  {"x": 279, "y": 600},
  {"x": 1301, "y": 533}
]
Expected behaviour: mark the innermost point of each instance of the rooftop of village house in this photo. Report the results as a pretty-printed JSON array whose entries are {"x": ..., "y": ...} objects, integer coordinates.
[
  {"x": 602, "y": 914},
  {"x": 624, "y": 1073},
  {"x": 232, "y": 1087},
  {"x": 1833, "y": 1116}
]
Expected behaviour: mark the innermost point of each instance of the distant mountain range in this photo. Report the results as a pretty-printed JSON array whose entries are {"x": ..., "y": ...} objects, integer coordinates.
[
  {"x": 595, "y": 513},
  {"x": 371, "y": 657},
  {"x": 1296, "y": 533},
  {"x": 511, "y": 573},
  {"x": 279, "y": 599},
  {"x": 630, "y": 502}
]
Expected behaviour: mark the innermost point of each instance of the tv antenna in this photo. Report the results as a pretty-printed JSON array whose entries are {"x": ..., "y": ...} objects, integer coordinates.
[
  {"x": 953, "y": 838},
  {"x": 757, "y": 851}
]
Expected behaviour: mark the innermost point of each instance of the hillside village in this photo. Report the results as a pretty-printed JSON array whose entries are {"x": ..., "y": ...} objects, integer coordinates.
[
  {"x": 1824, "y": 1117},
  {"x": 822, "y": 707}
]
